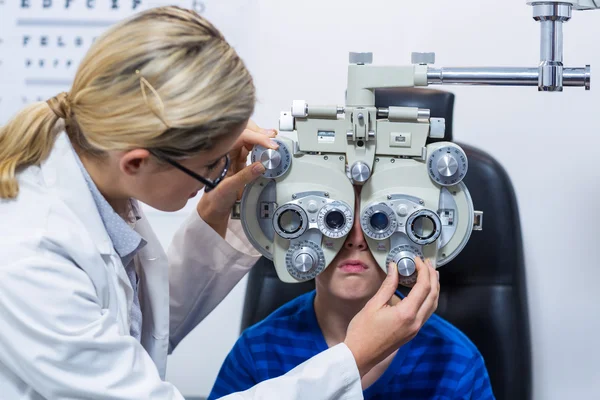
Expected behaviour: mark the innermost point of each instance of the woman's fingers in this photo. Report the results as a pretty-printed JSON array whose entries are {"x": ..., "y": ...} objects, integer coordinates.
[
  {"x": 253, "y": 127},
  {"x": 250, "y": 138},
  {"x": 387, "y": 289}
]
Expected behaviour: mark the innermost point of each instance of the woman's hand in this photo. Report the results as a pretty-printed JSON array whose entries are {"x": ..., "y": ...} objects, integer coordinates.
[
  {"x": 215, "y": 206},
  {"x": 379, "y": 328}
]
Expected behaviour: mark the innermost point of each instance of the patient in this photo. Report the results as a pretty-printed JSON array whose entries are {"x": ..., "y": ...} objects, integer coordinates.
[{"x": 440, "y": 362}]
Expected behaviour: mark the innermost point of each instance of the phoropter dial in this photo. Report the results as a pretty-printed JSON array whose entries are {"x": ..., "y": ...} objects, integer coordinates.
[
  {"x": 404, "y": 256},
  {"x": 305, "y": 260},
  {"x": 447, "y": 165},
  {"x": 276, "y": 162},
  {"x": 335, "y": 219},
  {"x": 378, "y": 221}
]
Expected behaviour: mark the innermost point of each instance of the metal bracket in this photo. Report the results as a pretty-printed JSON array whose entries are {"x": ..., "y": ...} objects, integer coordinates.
[
  {"x": 478, "y": 221},
  {"x": 360, "y": 120},
  {"x": 236, "y": 211},
  {"x": 437, "y": 128}
]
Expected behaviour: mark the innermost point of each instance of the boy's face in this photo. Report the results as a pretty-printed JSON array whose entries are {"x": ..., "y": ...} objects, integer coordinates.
[{"x": 353, "y": 274}]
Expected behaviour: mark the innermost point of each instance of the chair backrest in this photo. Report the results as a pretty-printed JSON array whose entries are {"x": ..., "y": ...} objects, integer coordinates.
[{"x": 483, "y": 290}]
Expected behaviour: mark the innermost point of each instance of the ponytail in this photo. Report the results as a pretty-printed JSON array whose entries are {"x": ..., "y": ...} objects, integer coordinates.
[{"x": 28, "y": 139}]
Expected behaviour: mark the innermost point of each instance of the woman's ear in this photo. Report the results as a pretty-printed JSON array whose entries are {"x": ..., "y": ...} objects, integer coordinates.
[{"x": 132, "y": 161}]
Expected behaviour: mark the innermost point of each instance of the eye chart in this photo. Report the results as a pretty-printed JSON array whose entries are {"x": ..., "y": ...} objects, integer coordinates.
[{"x": 43, "y": 41}]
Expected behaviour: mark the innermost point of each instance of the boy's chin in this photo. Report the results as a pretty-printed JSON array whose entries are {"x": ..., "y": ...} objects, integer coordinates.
[{"x": 354, "y": 291}]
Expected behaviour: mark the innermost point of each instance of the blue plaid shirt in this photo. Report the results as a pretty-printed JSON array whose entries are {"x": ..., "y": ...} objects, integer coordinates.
[
  {"x": 440, "y": 362},
  {"x": 126, "y": 241}
]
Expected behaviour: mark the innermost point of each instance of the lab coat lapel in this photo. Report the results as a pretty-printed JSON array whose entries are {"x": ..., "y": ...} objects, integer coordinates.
[
  {"x": 154, "y": 295},
  {"x": 62, "y": 174}
]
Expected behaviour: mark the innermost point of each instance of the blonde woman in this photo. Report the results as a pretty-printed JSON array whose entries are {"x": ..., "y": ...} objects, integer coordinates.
[{"x": 90, "y": 305}]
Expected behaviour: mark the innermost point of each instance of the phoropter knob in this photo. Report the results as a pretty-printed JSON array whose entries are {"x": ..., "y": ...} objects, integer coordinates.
[
  {"x": 447, "y": 165},
  {"x": 276, "y": 162}
]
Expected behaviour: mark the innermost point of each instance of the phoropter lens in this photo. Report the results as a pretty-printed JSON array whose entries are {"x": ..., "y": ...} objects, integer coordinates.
[
  {"x": 423, "y": 227},
  {"x": 335, "y": 219},
  {"x": 290, "y": 221},
  {"x": 379, "y": 221}
]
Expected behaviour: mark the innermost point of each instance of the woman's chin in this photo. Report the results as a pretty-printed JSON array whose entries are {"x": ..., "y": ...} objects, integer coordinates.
[{"x": 169, "y": 207}]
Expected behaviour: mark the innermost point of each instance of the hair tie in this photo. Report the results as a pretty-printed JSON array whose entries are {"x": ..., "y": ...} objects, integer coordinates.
[{"x": 59, "y": 104}]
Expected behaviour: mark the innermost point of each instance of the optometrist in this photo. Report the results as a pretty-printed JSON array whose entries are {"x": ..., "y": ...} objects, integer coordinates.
[{"x": 90, "y": 304}]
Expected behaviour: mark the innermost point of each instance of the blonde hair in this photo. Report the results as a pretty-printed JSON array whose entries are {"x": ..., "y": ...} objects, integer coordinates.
[{"x": 165, "y": 79}]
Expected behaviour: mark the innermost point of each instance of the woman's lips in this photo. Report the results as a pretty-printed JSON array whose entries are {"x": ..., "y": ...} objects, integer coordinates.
[{"x": 352, "y": 266}]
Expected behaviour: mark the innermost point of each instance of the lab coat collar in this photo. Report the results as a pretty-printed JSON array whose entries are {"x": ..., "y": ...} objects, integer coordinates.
[
  {"x": 124, "y": 238},
  {"x": 62, "y": 174}
]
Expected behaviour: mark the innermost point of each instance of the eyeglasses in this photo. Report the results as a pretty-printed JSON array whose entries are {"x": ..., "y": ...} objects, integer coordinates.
[{"x": 208, "y": 184}]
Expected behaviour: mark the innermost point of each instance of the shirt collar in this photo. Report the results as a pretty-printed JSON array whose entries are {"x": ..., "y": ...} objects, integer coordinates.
[{"x": 125, "y": 239}]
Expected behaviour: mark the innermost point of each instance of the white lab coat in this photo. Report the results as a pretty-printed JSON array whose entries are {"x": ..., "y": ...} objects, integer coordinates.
[{"x": 65, "y": 300}]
